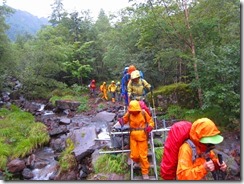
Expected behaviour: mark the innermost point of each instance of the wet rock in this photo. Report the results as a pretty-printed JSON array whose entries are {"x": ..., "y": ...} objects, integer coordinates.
[
  {"x": 57, "y": 144},
  {"x": 233, "y": 167},
  {"x": 30, "y": 161},
  {"x": 65, "y": 104},
  {"x": 27, "y": 173},
  {"x": 41, "y": 164},
  {"x": 60, "y": 129},
  {"x": 82, "y": 174},
  {"x": 31, "y": 107},
  {"x": 104, "y": 116},
  {"x": 84, "y": 140},
  {"x": 68, "y": 176},
  {"x": 16, "y": 165},
  {"x": 65, "y": 120},
  {"x": 48, "y": 171},
  {"x": 114, "y": 176}
]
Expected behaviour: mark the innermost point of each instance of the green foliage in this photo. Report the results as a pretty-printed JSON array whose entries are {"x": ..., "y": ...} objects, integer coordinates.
[
  {"x": 158, "y": 156},
  {"x": 178, "y": 93},
  {"x": 111, "y": 163},
  {"x": 83, "y": 105},
  {"x": 214, "y": 113},
  {"x": 23, "y": 148},
  {"x": 77, "y": 90},
  {"x": 8, "y": 175},
  {"x": 222, "y": 66},
  {"x": 158, "y": 143},
  {"x": 73, "y": 93},
  {"x": 100, "y": 106},
  {"x": 4, "y": 153},
  {"x": 53, "y": 99},
  {"x": 4, "y": 112},
  {"x": 174, "y": 112},
  {"x": 67, "y": 159},
  {"x": 19, "y": 134}
]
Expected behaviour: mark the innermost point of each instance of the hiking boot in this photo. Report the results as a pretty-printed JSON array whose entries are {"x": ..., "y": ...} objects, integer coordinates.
[{"x": 145, "y": 177}]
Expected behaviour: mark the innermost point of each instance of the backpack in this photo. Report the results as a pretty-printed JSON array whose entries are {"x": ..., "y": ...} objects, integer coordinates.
[
  {"x": 178, "y": 134},
  {"x": 144, "y": 107},
  {"x": 101, "y": 88},
  {"x": 141, "y": 74}
]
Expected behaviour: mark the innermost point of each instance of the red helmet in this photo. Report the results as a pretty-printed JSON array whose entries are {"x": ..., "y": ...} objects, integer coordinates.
[{"x": 131, "y": 69}]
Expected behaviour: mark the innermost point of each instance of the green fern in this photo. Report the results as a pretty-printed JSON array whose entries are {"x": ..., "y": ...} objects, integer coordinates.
[
  {"x": 111, "y": 163},
  {"x": 67, "y": 159},
  {"x": 3, "y": 161},
  {"x": 23, "y": 148}
]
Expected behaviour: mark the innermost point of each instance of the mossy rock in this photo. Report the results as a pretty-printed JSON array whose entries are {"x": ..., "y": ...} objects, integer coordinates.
[{"x": 175, "y": 94}]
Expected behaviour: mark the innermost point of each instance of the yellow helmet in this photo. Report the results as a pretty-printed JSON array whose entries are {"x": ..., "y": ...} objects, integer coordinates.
[
  {"x": 118, "y": 83},
  {"x": 112, "y": 82},
  {"x": 135, "y": 74},
  {"x": 104, "y": 83},
  {"x": 134, "y": 105}
]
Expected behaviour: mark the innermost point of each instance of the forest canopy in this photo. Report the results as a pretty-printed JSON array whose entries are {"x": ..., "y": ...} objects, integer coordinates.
[{"x": 196, "y": 42}]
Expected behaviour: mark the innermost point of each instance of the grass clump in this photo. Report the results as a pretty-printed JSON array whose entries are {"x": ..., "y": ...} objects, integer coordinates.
[
  {"x": 111, "y": 163},
  {"x": 19, "y": 134},
  {"x": 67, "y": 159},
  {"x": 72, "y": 94}
]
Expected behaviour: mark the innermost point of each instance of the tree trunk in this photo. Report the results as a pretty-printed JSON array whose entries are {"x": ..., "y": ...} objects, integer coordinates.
[{"x": 193, "y": 52}]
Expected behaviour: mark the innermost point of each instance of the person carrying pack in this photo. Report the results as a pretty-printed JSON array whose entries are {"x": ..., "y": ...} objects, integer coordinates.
[
  {"x": 188, "y": 153},
  {"x": 141, "y": 124},
  {"x": 124, "y": 82},
  {"x": 136, "y": 86},
  {"x": 103, "y": 89},
  {"x": 118, "y": 92},
  {"x": 92, "y": 87},
  {"x": 112, "y": 89}
]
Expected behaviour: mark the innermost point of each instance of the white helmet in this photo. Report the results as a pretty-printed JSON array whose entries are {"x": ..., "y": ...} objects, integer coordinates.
[{"x": 135, "y": 74}]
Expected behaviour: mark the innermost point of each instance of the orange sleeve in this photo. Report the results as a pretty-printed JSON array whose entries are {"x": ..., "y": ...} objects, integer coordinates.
[
  {"x": 126, "y": 117},
  {"x": 149, "y": 119},
  {"x": 186, "y": 169}
]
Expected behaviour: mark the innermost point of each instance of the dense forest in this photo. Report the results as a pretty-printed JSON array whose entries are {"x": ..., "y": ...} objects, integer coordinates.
[{"x": 172, "y": 41}]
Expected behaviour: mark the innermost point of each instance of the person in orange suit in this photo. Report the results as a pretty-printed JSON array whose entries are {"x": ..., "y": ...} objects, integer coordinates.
[
  {"x": 103, "y": 89},
  {"x": 205, "y": 135},
  {"x": 141, "y": 124}
]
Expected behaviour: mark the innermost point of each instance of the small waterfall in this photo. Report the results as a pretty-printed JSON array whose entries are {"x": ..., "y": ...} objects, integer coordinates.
[{"x": 45, "y": 155}]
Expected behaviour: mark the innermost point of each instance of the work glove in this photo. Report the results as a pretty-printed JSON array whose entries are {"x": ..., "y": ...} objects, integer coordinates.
[
  {"x": 149, "y": 129},
  {"x": 121, "y": 122}
]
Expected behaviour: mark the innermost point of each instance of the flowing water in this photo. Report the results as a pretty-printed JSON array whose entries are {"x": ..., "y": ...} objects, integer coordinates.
[{"x": 45, "y": 156}]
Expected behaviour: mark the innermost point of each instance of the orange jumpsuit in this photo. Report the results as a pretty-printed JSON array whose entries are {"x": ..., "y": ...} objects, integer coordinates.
[
  {"x": 103, "y": 89},
  {"x": 138, "y": 138},
  {"x": 186, "y": 168}
]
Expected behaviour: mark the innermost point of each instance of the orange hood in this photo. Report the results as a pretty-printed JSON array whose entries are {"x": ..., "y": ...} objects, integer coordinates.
[
  {"x": 203, "y": 127},
  {"x": 134, "y": 105}
]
